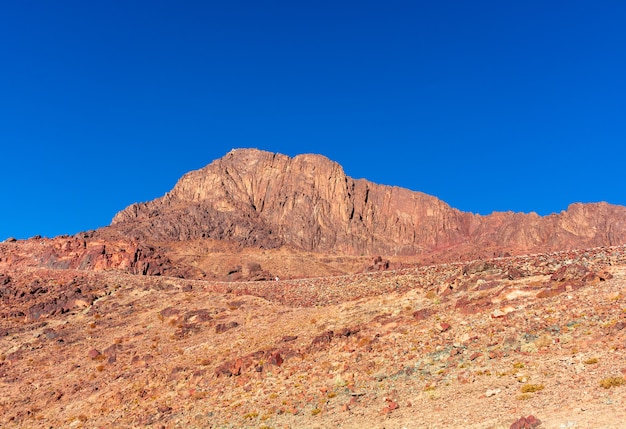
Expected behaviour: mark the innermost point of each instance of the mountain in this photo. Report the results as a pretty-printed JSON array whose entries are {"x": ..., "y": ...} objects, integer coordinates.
[
  {"x": 150, "y": 322},
  {"x": 256, "y": 215},
  {"x": 269, "y": 200}
]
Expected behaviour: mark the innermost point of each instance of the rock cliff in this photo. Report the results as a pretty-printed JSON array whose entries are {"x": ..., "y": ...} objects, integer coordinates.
[{"x": 269, "y": 200}]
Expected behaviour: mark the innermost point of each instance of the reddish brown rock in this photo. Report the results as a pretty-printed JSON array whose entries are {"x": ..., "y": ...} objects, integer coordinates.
[
  {"x": 223, "y": 327},
  {"x": 444, "y": 327},
  {"x": 514, "y": 273},
  {"x": 275, "y": 358},
  {"x": 391, "y": 405},
  {"x": 529, "y": 422},
  {"x": 322, "y": 339},
  {"x": 111, "y": 353},
  {"x": 289, "y": 338},
  {"x": 348, "y": 331},
  {"x": 422, "y": 314},
  {"x": 379, "y": 264},
  {"x": 473, "y": 306},
  {"x": 475, "y": 355},
  {"x": 309, "y": 203},
  {"x": 94, "y": 354},
  {"x": 569, "y": 272},
  {"x": 605, "y": 275}
]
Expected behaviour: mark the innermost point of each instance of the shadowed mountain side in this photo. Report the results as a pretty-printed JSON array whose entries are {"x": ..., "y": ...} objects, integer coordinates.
[{"x": 268, "y": 200}]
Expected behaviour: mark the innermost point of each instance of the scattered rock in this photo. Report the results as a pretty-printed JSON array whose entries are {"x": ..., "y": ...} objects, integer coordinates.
[
  {"x": 529, "y": 422},
  {"x": 379, "y": 264},
  {"x": 275, "y": 358},
  {"x": 569, "y": 272},
  {"x": 94, "y": 354},
  {"x": 422, "y": 314},
  {"x": 492, "y": 392},
  {"x": 477, "y": 267},
  {"x": 289, "y": 338},
  {"x": 322, "y": 339},
  {"x": 391, "y": 405},
  {"x": 223, "y": 327}
]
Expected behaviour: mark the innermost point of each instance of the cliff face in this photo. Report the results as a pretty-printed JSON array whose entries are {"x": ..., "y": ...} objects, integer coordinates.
[{"x": 264, "y": 199}]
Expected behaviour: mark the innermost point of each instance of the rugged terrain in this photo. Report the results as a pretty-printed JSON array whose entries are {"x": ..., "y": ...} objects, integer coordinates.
[
  {"x": 268, "y": 291},
  {"x": 232, "y": 219},
  {"x": 307, "y": 202},
  {"x": 473, "y": 345}
]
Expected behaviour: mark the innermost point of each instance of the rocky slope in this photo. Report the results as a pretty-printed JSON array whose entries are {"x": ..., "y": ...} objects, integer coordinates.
[
  {"x": 474, "y": 345},
  {"x": 269, "y": 200}
]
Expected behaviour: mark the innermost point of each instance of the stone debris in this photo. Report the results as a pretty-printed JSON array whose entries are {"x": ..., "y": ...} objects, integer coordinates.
[{"x": 346, "y": 351}]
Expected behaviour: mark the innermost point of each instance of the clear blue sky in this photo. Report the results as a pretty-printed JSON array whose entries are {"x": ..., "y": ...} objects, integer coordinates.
[{"x": 488, "y": 105}]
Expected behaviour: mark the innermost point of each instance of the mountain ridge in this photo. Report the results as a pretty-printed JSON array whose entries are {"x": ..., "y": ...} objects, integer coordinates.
[{"x": 270, "y": 200}]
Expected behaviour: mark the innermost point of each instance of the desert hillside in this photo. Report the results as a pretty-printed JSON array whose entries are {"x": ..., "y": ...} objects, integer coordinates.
[
  {"x": 272, "y": 292},
  {"x": 474, "y": 345}
]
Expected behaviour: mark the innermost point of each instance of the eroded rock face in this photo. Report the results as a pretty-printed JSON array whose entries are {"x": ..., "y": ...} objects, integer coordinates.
[
  {"x": 265, "y": 199},
  {"x": 89, "y": 253},
  {"x": 268, "y": 200}
]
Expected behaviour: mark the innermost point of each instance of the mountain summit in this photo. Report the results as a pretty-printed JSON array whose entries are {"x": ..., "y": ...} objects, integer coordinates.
[{"x": 307, "y": 202}]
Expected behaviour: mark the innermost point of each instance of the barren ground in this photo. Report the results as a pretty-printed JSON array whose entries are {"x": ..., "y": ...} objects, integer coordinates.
[{"x": 474, "y": 345}]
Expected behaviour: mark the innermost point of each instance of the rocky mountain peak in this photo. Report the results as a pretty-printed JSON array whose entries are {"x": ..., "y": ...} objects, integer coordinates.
[{"x": 264, "y": 199}]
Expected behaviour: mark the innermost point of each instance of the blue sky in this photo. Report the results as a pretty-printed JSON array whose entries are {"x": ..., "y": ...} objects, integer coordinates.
[{"x": 488, "y": 105}]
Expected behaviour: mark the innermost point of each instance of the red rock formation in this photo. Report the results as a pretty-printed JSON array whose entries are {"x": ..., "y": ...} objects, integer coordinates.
[
  {"x": 268, "y": 200},
  {"x": 87, "y": 252}
]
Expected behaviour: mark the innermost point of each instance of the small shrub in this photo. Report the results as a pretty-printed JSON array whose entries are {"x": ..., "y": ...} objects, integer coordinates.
[
  {"x": 518, "y": 365},
  {"x": 252, "y": 415},
  {"x": 591, "y": 361},
  {"x": 609, "y": 382},
  {"x": 315, "y": 411},
  {"x": 532, "y": 388}
]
